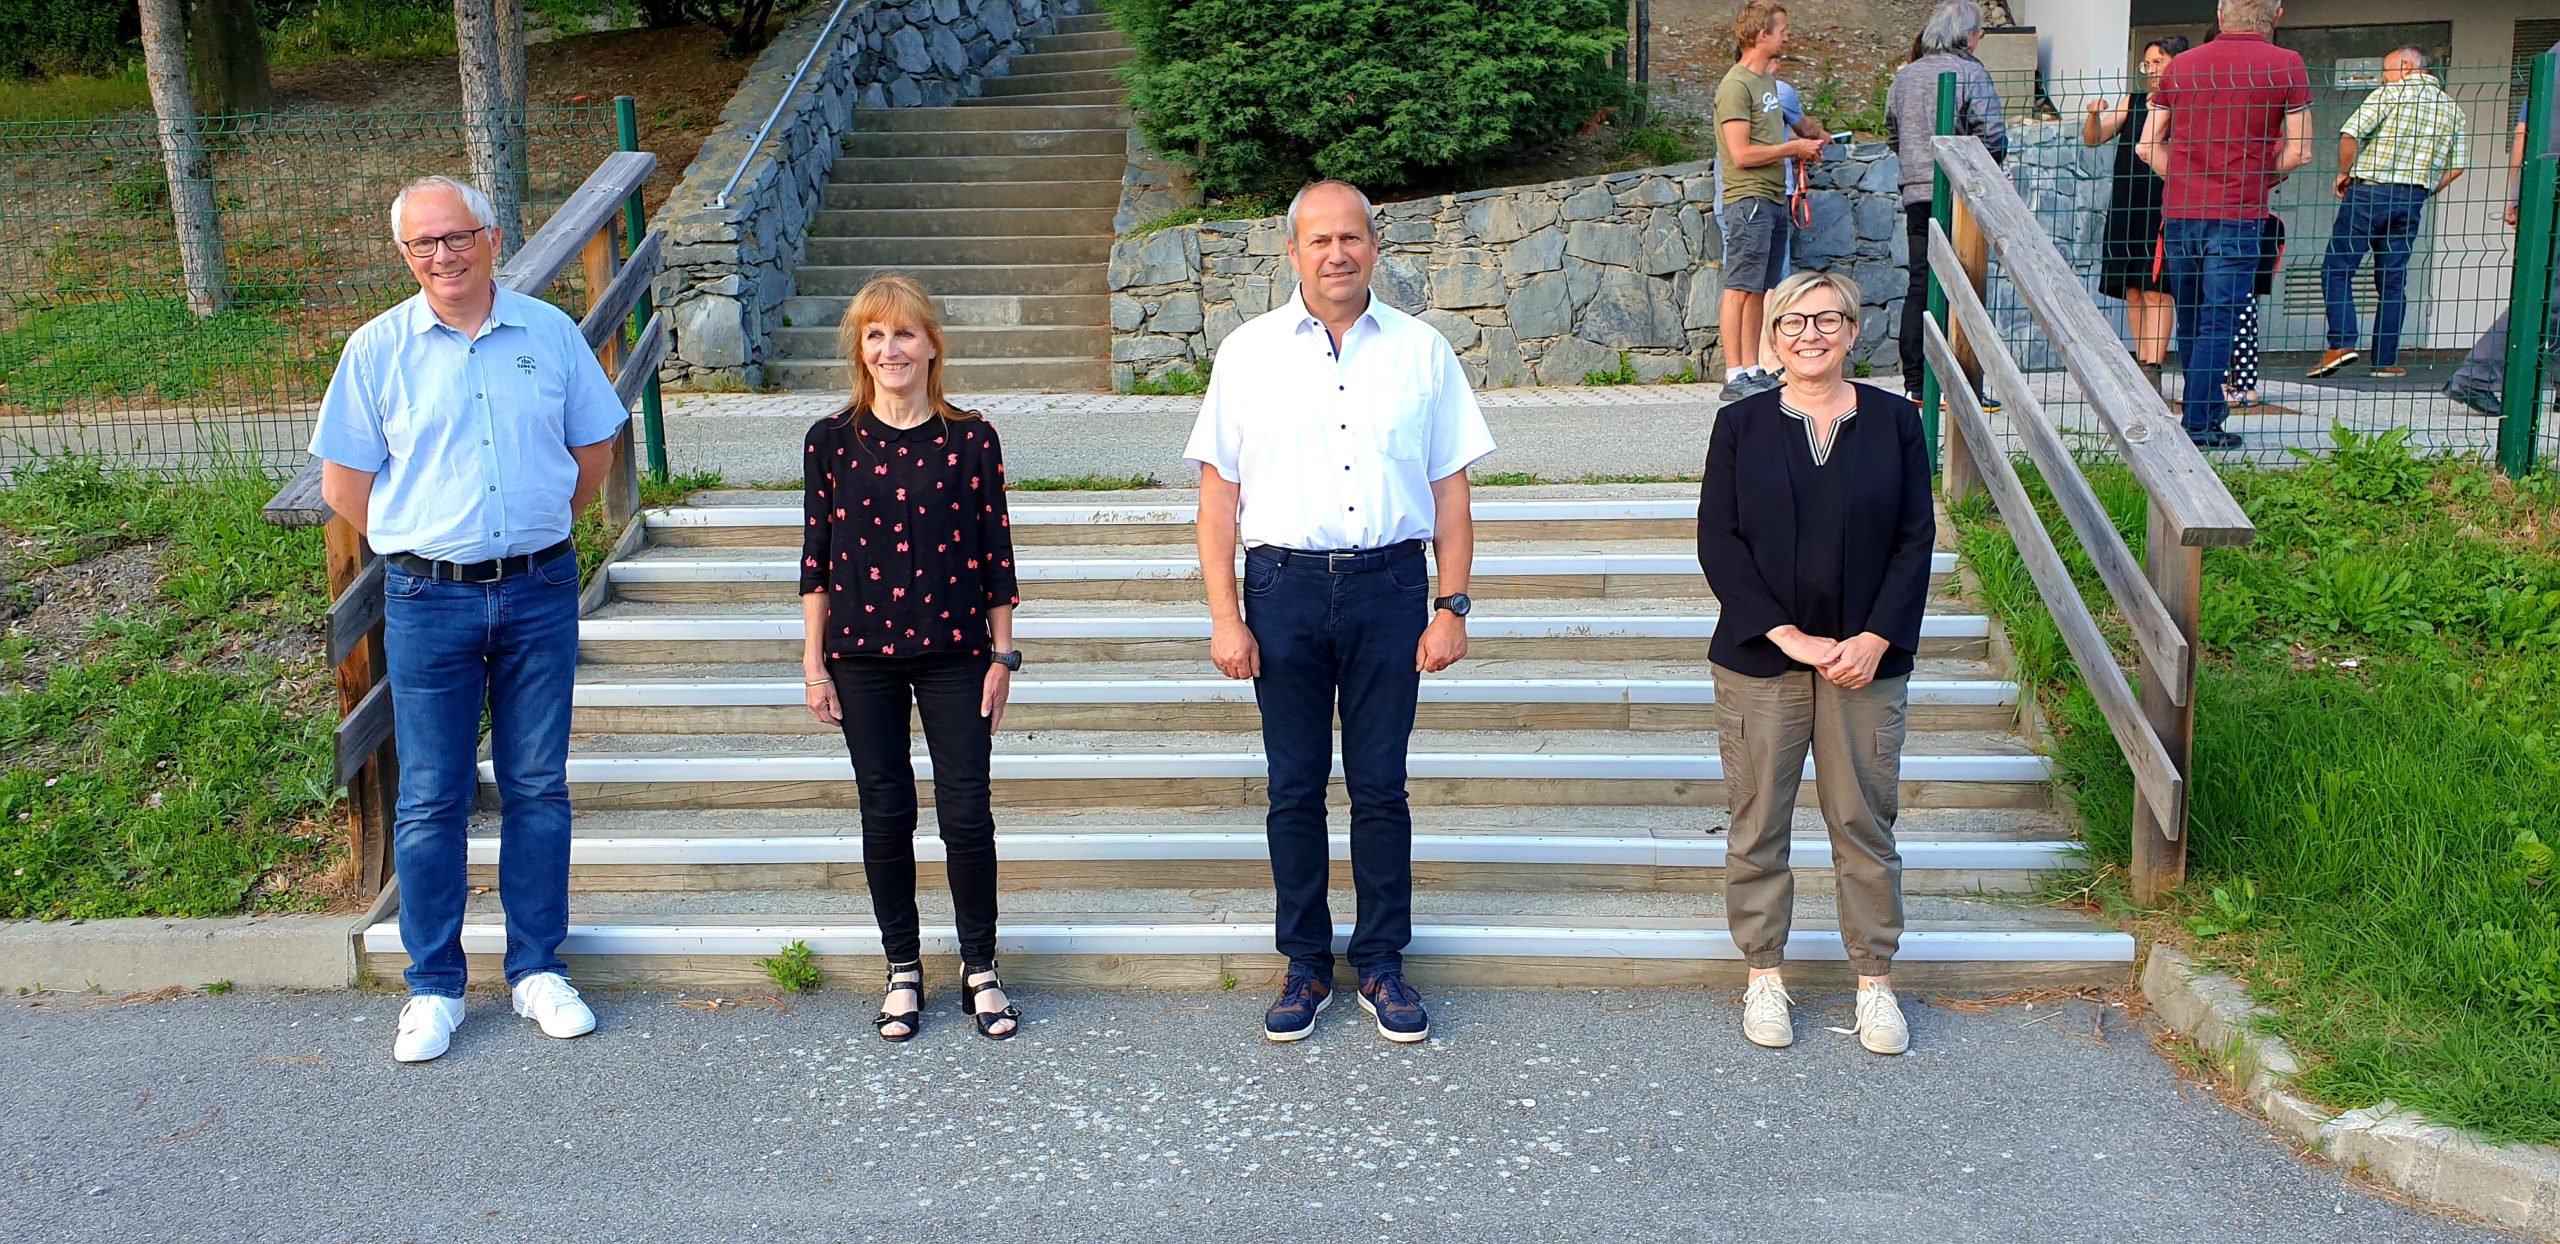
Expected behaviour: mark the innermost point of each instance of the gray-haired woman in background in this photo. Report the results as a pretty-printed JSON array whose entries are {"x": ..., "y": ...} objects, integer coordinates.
[{"x": 1911, "y": 120}]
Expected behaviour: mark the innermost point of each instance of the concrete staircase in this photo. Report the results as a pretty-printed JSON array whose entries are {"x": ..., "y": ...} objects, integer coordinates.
[
  {"x": 1000, "y": 207},
  {"x": 1565, "y": 778}
]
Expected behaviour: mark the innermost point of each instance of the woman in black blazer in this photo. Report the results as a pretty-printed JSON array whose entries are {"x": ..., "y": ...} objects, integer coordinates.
[{"x": 1815, "y": 528}]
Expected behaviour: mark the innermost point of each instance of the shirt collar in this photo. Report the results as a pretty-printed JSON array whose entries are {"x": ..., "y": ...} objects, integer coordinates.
[
  {"x": 877, "y": 429},
  {"x": 1369, "y": 313},
  {"x": 422, "y": 316}
]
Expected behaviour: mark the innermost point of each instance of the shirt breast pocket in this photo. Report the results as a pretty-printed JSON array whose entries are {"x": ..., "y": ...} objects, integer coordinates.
[{"x": 1403, "y": 426}]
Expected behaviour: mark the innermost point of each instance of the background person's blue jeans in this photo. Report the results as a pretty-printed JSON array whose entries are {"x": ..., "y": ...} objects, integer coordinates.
[
  {"x": 1350, "y": 636},
  {"x": 2212, "y": 268},
  {"x": 450, "y": 647},
  {"x": 2382, "y": 220}
]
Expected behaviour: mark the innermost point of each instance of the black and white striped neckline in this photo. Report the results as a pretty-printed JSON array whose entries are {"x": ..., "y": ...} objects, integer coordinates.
[{"x": 1820, "y": 445}]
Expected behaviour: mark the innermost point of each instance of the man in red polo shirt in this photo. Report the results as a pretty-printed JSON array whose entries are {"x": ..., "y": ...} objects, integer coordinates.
[{"x": 2229, "y": 119}]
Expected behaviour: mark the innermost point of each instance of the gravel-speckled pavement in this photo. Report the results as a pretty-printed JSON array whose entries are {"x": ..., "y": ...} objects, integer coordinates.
[{"x": 1126, "y": 1116}]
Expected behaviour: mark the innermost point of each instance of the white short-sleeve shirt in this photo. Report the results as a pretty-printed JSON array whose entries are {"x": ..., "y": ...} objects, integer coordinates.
[{"x": 1332, "y": 451}]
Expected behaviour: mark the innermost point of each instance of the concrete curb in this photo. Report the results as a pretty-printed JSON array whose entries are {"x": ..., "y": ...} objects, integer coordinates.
[
  {"x": 2512, "y": 1186},
  {"x": 131, "y": 956}
]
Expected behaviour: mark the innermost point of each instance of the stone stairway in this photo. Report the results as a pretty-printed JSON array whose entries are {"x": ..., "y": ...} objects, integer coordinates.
[
  {"x": 1565, "y": 777},
  {"x": 1000, "y": 207}
]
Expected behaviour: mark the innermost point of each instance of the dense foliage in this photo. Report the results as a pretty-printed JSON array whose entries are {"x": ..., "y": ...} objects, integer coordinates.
[{"x": 1261, "y": 96}]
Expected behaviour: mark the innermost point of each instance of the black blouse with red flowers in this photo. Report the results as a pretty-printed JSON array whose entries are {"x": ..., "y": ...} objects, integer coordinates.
[{"x": 907, "y": 535}]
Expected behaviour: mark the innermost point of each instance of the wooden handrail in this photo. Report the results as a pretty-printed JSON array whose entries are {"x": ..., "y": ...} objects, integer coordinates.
[
  {"x": 2198, "y": 509},
  {"x": 586, "y": 228},
  {"x": 2159, "y": 597}
]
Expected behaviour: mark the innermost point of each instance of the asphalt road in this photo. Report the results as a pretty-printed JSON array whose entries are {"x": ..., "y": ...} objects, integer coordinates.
[{"x": 1125, "y": 1116}]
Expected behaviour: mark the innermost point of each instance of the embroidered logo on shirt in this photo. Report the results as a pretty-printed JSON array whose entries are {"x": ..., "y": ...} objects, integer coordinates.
[{"x": 524, "y": 363}]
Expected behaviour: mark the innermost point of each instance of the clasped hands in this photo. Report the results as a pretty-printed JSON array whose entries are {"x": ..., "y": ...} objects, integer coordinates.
[{"x": 1845, "y": 663}]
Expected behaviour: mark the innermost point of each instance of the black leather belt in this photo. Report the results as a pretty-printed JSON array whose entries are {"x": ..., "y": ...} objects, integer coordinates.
[
  {"x": 1345, "y": 561},
  {"x": 476, "y": 572}
]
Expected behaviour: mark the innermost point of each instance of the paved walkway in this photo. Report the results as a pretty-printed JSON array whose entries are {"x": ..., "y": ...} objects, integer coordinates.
[{"x": 1122, "y": 1116}]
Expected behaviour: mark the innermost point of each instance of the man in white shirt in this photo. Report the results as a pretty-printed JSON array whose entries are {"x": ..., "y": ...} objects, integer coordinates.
[{"x": 1335, "y": 438}]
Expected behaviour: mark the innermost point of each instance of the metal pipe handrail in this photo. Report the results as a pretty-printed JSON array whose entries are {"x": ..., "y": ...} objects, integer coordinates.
[{"x": 789, "y": 89}]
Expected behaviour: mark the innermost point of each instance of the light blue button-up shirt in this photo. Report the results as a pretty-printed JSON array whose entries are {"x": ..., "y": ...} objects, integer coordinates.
[{"x": 468, "y": 437}]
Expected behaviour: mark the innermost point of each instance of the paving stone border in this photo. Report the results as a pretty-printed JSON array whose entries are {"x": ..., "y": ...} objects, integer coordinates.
[
  {"x": 729, "y": 268},
  {"x": 1542, "y": 284},
  {"x": 2513, "y": 1186}
]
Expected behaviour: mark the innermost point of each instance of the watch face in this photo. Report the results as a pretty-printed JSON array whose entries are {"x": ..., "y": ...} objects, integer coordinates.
[{"x": 1457, "y": 603}]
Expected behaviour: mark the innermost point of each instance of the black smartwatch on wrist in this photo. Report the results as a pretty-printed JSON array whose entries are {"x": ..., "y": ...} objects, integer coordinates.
[
  {"x": 1456, "y": 603},
  {"x": 1010, "y": 660}
]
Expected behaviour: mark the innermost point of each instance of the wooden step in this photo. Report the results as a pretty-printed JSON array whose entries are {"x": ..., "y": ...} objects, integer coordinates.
[{"x": 1169, "y": 520}]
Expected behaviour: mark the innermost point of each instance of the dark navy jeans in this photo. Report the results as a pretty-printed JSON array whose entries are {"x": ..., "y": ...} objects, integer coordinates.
[
  {"x": 1347, "y": 636},
  {"x": 2212, "y": 268},
  {"x": 2381, "y": 220},
  {"x": 451, "y": 648}
]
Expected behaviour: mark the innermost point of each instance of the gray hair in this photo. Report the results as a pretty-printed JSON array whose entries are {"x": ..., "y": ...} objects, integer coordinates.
[
  {"x": 1951, "y": 28},
  {"x": 472, "y": 201},
  {"x": 1802, "y": 285},
  {"x": 1367, "y": 212},
  {"x": 2419, "y": 61},
  {"x": 2249, "y": 17}
]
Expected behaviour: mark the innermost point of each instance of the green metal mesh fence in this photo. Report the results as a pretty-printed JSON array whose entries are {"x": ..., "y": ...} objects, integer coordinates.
[
  {"x": 98, "y": 353},
  {"x": 2315, "y": 276}
]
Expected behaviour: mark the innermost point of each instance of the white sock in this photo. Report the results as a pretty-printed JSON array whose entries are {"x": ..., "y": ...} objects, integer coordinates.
[{"x": 1732, "y": 374}]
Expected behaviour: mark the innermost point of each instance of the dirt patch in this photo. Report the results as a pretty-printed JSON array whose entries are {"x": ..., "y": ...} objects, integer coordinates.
[
  {"x": 678, "y": 78},
  {"x": 1839, "y": 52},
  {"x": 58, "y": 610}
]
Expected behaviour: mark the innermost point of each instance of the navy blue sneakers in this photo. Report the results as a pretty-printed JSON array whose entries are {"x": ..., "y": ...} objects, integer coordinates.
[
  {"x": 1397, "y": 1006},
  {"x": 1302, "y": 998}
]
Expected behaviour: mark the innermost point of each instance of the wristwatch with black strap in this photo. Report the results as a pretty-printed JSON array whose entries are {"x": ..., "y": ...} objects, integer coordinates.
[
  {"x": 1456, "y": 603},
  {"x": 1010, "y": 660}
]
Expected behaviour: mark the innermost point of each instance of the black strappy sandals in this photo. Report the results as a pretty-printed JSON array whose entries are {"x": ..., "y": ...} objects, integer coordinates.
[
  {"x": 987, "y": 1020},
  {"x": 912, "y": 1019}
]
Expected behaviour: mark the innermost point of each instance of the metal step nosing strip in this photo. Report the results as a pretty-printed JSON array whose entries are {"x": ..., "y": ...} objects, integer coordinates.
[
  {"x": 1043, "y": 515},
  {"x": 1253, "y": 937},
  {"x": 1105, "y": 766},
  {"x": 1481, "y": 626},
  {"x": 1057, "y": 570},
  {"x": 1217, "y": 845},
  {"x": 1030, "y": 690}
]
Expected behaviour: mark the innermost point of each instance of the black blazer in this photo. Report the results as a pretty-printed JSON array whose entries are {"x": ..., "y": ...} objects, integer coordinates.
[{"x": 1747, "y": 529}]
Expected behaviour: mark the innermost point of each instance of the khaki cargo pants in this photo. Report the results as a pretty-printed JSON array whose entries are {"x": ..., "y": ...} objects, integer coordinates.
[{"x": 1764, "y": 727}]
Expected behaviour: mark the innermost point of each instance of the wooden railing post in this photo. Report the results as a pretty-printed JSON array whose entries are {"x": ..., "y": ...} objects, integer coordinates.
[
  {"x": 373, "y": 791},
  {"x": 2176, "y": 572},
  {"x": 1961, "y": 475},
  {"x": 621, "y": 495}
]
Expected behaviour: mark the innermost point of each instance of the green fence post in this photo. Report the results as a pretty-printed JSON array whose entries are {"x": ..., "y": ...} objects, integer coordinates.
[
  {"x": 635, "y": 225},
  {"x": 2529, "y": 305},
  {"x": 1942, "y": 207}
]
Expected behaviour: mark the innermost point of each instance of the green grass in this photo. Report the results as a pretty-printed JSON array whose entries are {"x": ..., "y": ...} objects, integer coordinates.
[
  {"x": 172, "y": 760},
  {"x": 1175, "y": 382},
  {"x": 323, "y": 30},
  {"x": 1238, "y": 207},
  {"x": 1083, "y": 483},
  {"x": 1669, "y": 139},
  {"x": 74, "y": 98},
  {"x": 2377, "y": 760},
  {"x": 1623, "y": 373},
  {"x": 85, "y": 351}
]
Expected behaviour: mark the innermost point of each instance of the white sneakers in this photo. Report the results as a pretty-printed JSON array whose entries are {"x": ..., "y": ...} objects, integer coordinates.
[
  {"x": 1879, "y": 1027},
  {"x": 553, "y": 1005},
  {"x": 426, "y": 1027},
  {"x": 546, "y": 998},
  {"x": 1764, "y": 1013}
]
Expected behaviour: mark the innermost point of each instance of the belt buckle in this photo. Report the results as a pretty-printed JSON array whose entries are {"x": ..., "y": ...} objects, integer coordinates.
[
  {"x": 497, "y": 571},
  {"x": 1331, "y": 564}
]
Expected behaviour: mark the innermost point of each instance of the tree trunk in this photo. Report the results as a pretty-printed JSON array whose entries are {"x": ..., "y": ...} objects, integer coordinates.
[
  {"x": 511, "y": 91},
  {"x": 486, "y": 117},
  {"x": 183, "y": 153},
  {"x": 231, "y": 58}
]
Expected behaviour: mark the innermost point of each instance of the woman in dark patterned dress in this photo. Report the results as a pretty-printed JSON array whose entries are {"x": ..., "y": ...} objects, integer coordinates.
[
  {"x": 907, "y": 592},
  {"x": 2129, "y": 259}
]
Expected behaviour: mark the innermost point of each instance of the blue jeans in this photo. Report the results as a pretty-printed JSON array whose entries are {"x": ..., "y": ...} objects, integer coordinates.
[
  {"x": 2383, "y": 220},
  {"x": 452, "y": 647},
  {"x": 1348, "y": 634},
  {"x": 2212, "y": 269}
]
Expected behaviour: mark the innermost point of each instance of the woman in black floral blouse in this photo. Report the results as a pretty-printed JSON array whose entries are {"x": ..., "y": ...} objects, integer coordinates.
[{"x": 906, "y": 597}]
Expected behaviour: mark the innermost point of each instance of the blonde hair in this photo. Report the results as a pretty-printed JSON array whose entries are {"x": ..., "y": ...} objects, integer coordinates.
[
  {"x": 1757, "y": 18},
  {"x": 900, "y": 303},
  {"x": 1797, "y": 288}
]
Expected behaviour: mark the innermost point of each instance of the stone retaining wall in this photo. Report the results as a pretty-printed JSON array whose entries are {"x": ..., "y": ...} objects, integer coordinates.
[
  {"x": 728, "y": 269},
  {"x": 1543, "y": 284}
]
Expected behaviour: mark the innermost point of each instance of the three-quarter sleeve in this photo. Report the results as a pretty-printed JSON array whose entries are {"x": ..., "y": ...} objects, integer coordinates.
[
  {"x": 1903, "y": 597},
  {"x": 817, "y": 480},
  {"x": 1744, "y": 602},
  {"x": 995, "y": 526}
]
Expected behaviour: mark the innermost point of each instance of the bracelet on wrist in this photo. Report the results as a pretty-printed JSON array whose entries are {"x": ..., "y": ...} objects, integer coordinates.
[{"x": 817, "y": 682}]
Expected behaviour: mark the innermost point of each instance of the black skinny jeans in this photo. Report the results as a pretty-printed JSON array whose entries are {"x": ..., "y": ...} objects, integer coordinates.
[
  {"x": 945, "y": 689},
  {"x": 1915, "y": 302}
]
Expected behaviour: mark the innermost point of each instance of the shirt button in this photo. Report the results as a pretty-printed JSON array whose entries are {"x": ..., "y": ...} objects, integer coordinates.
[
  {"x": 493, "y": 488},
  {"x": 1337, "y": 388}
]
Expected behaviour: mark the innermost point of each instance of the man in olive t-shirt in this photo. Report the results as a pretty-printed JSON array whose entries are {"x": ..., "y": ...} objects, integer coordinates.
[{"x": 1752, "y": 147}]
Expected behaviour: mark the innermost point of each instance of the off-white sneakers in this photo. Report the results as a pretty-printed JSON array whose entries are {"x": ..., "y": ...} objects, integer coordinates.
[
  {"x": 1764, "y": 1013},
  {"x": 426, "y": 1027},
  {"x": 553, "y": 1005},
  {"x": 1880, "y": 1026}
]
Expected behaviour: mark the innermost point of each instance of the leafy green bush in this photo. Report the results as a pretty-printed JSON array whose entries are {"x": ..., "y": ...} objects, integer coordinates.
[
  {"x": 40, "y": 38},
  {"x": 1261, "y": 96}
]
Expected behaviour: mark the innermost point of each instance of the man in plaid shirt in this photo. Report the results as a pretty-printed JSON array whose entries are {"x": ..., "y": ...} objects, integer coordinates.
[{"x": 2407, "y": 141}]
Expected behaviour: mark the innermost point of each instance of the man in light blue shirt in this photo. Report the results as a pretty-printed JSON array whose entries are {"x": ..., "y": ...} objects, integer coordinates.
[{"x": 463, "y": 431}]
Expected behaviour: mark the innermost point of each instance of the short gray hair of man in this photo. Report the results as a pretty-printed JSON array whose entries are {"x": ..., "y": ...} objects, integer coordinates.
[
  {"x": 2419, "y": 61},
  {"x": 1951, "y": 28},
  {"x": 1367, "y": 212},
  {"x": 2249, "y": 17},
  {"x": 472, "y": 201}
]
